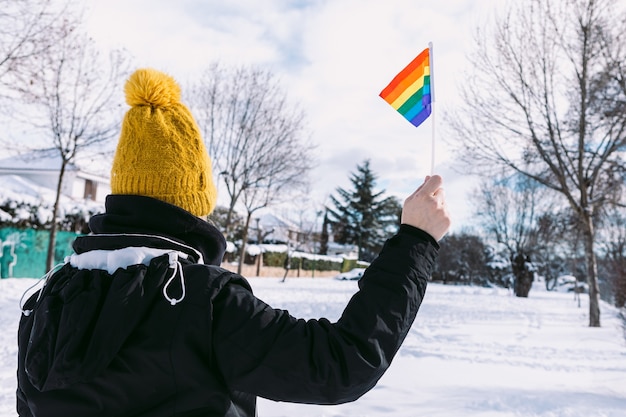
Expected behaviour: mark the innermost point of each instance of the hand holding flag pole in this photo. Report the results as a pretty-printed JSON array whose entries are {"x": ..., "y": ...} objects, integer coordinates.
[{"x": 412, "y": 94}]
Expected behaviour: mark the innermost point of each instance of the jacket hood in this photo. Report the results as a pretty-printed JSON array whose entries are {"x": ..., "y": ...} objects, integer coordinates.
[
  {"x": 82, "y": 318},
  {"x": 135, "y": 214},
  {"x": 90, "y": 307}
]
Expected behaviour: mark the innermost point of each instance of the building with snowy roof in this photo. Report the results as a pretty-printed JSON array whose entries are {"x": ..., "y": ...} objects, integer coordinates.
[{"x": 37, "y": 176}]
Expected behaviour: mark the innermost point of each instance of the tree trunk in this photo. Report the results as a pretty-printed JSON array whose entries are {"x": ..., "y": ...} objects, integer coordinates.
[
  {"x": 523, "y": 275},
  {"x": 592, "y": 273},
  {"x": 258, "y": 263},
  {"x": 244, "y": 240},
  {"x": 229, "y": 218},
  {"x": 55, "y": 211}
]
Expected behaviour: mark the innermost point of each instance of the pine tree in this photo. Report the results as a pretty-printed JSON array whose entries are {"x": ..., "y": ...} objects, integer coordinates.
[
  {"x": 324, "y": 235},
  {"x": 361, "y": 216}
]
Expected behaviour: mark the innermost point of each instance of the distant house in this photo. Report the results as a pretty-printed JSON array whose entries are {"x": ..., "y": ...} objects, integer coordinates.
[
  {"x": 275, "y": 229},
  {"x": 40, "y": 175}
]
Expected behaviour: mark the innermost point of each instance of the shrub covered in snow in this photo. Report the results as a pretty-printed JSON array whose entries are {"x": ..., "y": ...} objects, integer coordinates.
[{"x": 73, "y": 216}]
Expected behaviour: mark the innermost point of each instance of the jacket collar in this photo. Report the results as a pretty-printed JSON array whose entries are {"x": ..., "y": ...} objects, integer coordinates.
[{"x": 145, "y": 221}]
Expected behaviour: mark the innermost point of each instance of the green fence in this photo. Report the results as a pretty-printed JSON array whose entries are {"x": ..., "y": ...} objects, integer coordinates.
[{"x": 24, "y": 251}]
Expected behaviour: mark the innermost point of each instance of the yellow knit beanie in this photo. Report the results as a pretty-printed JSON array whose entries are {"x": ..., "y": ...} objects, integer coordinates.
[{"x": 160, "y": 153}]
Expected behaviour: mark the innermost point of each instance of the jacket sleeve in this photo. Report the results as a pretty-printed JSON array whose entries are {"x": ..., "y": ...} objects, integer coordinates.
[
  {"x": 22, "y": 407},
  {"x": 267, "y": 352}
]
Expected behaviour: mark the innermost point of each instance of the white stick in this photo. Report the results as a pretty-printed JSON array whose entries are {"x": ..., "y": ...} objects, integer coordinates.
[{"x": 432, "y": 107}]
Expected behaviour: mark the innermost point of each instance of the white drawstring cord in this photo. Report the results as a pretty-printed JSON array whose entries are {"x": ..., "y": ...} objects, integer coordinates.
[
  {"x": 45, "y": 281},
  {"x": 176, "y": 266}
]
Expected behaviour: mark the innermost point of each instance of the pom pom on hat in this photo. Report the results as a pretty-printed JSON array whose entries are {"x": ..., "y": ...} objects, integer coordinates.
[
  {"x": 160, "y": 152},
  {"x": 148, "y": 87}
]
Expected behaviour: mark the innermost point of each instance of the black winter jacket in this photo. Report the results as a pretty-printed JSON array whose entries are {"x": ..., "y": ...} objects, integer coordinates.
[{"x": 141, "y": 321}]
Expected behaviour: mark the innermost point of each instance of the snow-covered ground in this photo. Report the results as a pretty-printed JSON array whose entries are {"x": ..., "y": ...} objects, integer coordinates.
[{"x": 472, "y": 352}]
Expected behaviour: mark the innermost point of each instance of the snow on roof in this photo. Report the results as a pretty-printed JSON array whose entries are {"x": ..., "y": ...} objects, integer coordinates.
[
  {"x": 17, "y": 189},
  {"x": 34, "y": 162},
  {"x": 46, "y": 162},
  {"x": 20, "y": 189},
  {"x": 268, "y": 220}
]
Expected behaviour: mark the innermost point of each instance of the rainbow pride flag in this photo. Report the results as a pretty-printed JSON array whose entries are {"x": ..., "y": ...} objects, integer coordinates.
[{"x": 410, "y": 92}]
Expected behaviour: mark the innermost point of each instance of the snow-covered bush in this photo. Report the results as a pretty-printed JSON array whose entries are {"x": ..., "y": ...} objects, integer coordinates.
[{"x": 73, "y": 216}]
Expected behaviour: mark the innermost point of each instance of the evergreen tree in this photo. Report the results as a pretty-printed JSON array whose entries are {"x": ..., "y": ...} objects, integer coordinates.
[
  {"x": 363, "y": 217},
  {"x": 324, "y": 235}
]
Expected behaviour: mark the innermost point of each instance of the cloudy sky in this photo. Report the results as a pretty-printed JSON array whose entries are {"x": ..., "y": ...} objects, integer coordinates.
[{"x": 334, "y": 58}]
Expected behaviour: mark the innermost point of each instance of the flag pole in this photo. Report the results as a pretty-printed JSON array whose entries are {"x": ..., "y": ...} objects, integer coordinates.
[{"x": 432, "y": 103}]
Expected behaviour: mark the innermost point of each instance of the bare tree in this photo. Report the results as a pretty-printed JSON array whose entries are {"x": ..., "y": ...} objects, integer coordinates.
[
  {"x": 257, "y": 139},
  {"x": 27, "y": 29},
  {"x": 72, "y": 96},
  {"x": 513, "y": 210},
  {"x": 548, "y": 102}
]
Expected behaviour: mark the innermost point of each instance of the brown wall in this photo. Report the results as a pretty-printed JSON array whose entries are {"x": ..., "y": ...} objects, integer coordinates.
[{"x": 274, "y": 271}]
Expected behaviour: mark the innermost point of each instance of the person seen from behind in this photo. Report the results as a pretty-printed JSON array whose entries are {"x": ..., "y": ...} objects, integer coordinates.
[{"x": 141, "y": 320}]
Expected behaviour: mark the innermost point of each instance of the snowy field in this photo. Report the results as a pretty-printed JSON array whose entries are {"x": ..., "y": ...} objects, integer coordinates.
[{"x": 472, "y": 352}]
